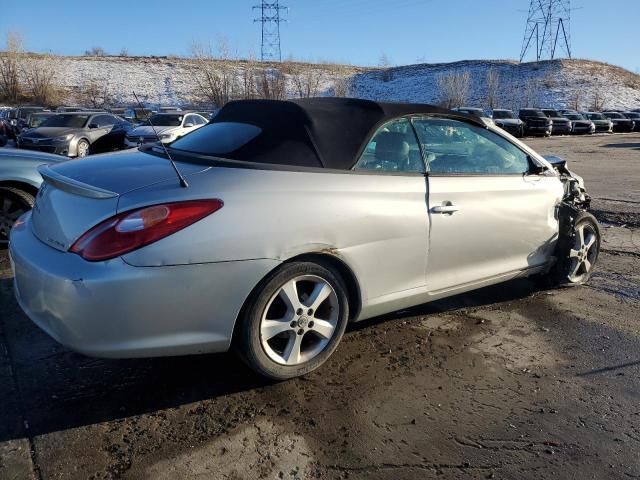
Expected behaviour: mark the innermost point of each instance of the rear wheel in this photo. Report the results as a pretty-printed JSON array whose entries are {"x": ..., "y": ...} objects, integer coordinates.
[
  {"x": 13, "y": 203},
  {"x": 294, "y": 321}
]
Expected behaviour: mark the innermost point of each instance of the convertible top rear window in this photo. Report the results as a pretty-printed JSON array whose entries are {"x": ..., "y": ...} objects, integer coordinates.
[{"x": 223, "y": 139}]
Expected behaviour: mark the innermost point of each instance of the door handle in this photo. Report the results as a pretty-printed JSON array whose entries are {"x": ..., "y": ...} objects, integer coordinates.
[{"x": 445, "y": 209}]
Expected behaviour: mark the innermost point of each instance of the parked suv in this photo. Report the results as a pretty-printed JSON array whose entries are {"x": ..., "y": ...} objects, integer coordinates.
[
  {"x": 620, "y": 122},
  {"x": 18, "y": 118},
  {"x": 561, "y": 124},
  {"x": 635, "y": 116},
  {"x": 579, "y": 124},
  {"x": 506, "y": 120},
  {"x": 77, "y": 134},
  {"x": 602, "y": 123},
  {"x": 535, "y": 122}
]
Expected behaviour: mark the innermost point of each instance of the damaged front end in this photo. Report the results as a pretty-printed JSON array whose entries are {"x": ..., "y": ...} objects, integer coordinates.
[{"x": 575, "y": 194}]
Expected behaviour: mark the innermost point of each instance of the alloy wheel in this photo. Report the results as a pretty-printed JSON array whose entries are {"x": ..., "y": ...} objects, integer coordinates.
[
  {"x": 299, "y": 320},
  {"x": 583, "y": 253},
  {"x": 83, "y": 149}
]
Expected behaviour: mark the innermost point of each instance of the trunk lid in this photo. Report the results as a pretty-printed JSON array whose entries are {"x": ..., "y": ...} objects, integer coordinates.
[{"x": 78, "y": 194}]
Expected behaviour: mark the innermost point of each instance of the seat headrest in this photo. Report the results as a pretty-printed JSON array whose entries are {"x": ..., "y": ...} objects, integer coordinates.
[{"x": 392, "y": 146}]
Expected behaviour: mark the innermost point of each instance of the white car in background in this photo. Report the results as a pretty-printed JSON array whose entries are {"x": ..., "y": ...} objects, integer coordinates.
[{"x": 164, "y": 126}]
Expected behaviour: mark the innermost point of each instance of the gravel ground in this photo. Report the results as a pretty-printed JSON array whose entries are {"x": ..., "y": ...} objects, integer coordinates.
[{"x": 506, "y": 382}]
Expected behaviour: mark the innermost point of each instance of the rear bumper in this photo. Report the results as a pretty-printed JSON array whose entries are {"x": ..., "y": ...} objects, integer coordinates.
[{"x": 113, "y": 309}]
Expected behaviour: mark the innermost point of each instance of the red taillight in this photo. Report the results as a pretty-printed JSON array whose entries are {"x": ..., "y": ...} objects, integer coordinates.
[{"x": 136, "y": 228}]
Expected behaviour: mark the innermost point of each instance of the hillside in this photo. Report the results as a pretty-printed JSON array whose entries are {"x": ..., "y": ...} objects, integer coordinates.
[{"x": 559, "y": 83}]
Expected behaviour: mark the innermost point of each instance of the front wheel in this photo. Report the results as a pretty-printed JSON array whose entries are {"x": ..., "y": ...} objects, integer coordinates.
[
  {"x": 83, "y": 148},
  {"x": 577, "y": 253},
  {"x": 294, "y": 321}
]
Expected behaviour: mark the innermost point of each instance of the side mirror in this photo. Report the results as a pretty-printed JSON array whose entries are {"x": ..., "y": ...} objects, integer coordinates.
[
  {"x": 93, "y": 125},
  {"x": 189, "y": 125}
]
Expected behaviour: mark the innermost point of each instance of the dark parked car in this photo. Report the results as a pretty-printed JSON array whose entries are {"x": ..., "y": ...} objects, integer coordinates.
[
  {"x": 506, "y": 120},
  {"x": 579, "y": 124},
  {"x": 635, "y": 116},
  {"x": 535, "y": 122},
  {"x": 18, "y": 118},
  {"x": 620, "y": 122},
  {"x": 77, "y": 134},
  {"x": 561, "y": 124},
  {"x": 602, "y": 123}
]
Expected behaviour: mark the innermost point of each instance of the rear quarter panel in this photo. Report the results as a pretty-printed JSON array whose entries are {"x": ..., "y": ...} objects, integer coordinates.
[{"x": 377, "y": 224}]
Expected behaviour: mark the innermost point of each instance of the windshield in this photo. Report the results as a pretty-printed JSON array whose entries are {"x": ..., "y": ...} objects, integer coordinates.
[
  {"x": 222, "y": 139},
  {"x": 553, "y": 113},
  {"x": 533, "y": 113},
  {"x": 614, "y": 115},
  {"x": 595, "y": 116},
  {"x": 70, "y": 121},
  {"x": 632, "y": 115},
  {"x": 502, "y": 114},
  {"x": 164, "y": 120},
  {"x": 574, "y": 116},
  {"x": 24, "y": 112},
  {"x": 37, "y": 120}
]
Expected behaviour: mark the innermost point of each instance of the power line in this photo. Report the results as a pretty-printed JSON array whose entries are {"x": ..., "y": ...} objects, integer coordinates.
[
  {"x": 548, "y": 26},
  {"x": 270, "y": 16}
]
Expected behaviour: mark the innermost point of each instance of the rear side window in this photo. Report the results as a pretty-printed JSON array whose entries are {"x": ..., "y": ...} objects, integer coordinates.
[
  {"x": 218, "y": 139},
  {"x": 454, "y": 147},
  {"x": 393, "y": 148}
]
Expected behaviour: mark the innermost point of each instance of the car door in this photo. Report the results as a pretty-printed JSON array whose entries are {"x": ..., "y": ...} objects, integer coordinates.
[
  {"x": 389, "y": 187},
  {"x": 489, "y": 216}
]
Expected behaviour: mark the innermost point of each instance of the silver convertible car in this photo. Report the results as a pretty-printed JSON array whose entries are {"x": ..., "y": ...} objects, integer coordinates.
[{"x": 282, "y": 221}]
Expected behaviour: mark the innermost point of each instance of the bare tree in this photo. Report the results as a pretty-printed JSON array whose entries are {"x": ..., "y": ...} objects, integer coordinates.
[
  {"x": 215, "y": 75},
  {"x": 598, "y": 100},
  {"x": 342, "y": 86},
  {"x": 271, "y": 84},
  {"x": 96, "y": 93},
  {"x": 493, "y": 88},
  {"x": 531, "y": 92},
  {"x": 575, "y": 100},
  {"x": 95, "y": 52},
  {"x": 10, "y": 66},
  {"x": 40, "y": 76},
  {"x": 453, "y": 88},
  {"x": 124, "y": 52},
  {"x": 306, "y": 80},
  {"x": 248, "y": 82}
]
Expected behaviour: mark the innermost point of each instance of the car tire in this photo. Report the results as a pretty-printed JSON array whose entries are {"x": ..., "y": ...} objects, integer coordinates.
[
  {"x": 13, "y": 203},
  {"x": 580, "y": 245},
  {"x": 306, "y": 338},
  {"x": 82, "y": 149}
]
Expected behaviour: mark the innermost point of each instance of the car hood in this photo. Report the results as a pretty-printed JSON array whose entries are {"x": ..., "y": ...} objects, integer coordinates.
[
  {"x": 123, "y": 171},
  {"x": 148, "y": 131},
  {"x": 27, "y": 157},
  {"x": 49, "y": 132},
  {"x": 508, "y": 121}
]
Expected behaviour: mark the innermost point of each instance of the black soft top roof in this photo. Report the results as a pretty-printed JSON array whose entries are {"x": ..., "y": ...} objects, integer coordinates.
[{"x": 316, "y": 132}]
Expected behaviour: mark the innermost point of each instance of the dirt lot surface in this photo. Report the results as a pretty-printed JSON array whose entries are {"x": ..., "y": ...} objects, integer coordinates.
[{"x": 507, "y": 382}]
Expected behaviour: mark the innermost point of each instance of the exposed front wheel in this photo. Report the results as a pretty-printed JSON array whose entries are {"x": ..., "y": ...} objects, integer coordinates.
[
  {"x": 577, "y": 253},
  {"x": 13, "y": 203},
  {"x": 294, "y": 321}
]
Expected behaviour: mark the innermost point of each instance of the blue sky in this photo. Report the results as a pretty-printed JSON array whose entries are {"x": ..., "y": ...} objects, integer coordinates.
[{"x": 349, "y": 31}]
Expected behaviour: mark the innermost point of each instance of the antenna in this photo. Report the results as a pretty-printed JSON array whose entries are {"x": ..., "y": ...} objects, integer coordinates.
[
  {"x": 548, "y": 24},
  {"x": 270, "y": 18},
  {"x": 181, "y": 179}
]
